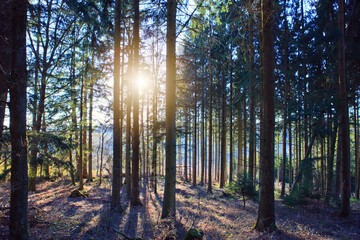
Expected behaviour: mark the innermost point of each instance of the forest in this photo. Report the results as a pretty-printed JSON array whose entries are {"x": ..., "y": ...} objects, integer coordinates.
[{"x": 179, "y": 119}]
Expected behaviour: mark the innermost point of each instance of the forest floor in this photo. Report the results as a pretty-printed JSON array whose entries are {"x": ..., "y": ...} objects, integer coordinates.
[{"x": 55, "y": 215}]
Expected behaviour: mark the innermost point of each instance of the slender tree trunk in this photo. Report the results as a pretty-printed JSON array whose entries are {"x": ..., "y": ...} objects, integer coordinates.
[
  {"x": 115, "y": 195},
  {"x": 202, "y": 136},
  {"x": 18, "y": 222},
  {"x": 148, "y": 139},
  {"x": 122, "y": 87},
  {"x": 186, "y": 146},
  {"x": 231, "y": 147},
  {"x": 5, "y": 32},
  {"x": 210, "y": 145},
  {"x": 170, "y": 177},
  {"x": 223, "y": 136},
  {"x": 252, "y": 130},
  {"x": 195, "y": 135},
  {"x": 80, "y": 170},
  {"x": 356, "y": 128},
  {"x": 266, "y": 213},
  {"x": 84, "y": 120},
  {"x": 240, "y": 141},
  {"x": 91, "y": 103},
  {"x": 155, "y": 137},
  {"x": 102, "y": 155},
  {"x": 135, "y": 200},
  {"x": 128, "y": 139},
  {"x": 245, "y": 136},
  {"x": 344, "y": 119},
  {"x": 338, "y": 167}
]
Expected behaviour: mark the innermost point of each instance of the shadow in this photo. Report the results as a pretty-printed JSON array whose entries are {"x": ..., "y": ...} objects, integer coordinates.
[
  {"x": 281, "y": 235},
  {"x": 180, "y": 229},
  {"x": 158, "y": 198},
  {"x": 132, "y": 221},
  {"x": 71, "y": 211}
]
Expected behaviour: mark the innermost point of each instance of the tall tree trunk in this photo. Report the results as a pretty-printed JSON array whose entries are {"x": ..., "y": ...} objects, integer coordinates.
[
  {"x": 115, "y": 195},
  {"x": 252, "y": 130},
  {"x": 202, "y": 135},
  {"x": 344, "y": 119},
  {"x": 5, "y": 31},
  {"x": 18, "y": 222},
  {"x": 337, "y": 167},
  {"x": 155, "y": 137},
  {"x": 286, "y": 99},
  {"x": 80, "y": 170},
  {"x": 84, "y": 118},
  {"x": 195, "y": 135},
  {"x": 91, "y": 100},
  {"x": 245, "y": 136},
  {"x": 170, "y": 177},
  {"x": 240, "y": 141},
  {"x": 210, "y": 145},
  {"x": 223, "y": 136},
  {"x": 266, "y": 212},
  {"x": 290, "y": 155},
  {"x": 356, "y": 128},
  {"x": 186, "y": 146},
  {"x": 231, "y": 147},
  {"x": 135, "y": 200},
  {"x": 330, "y": 158},
  {"x": 102, "y": 155},
  {"x": 128, "y": 137}
]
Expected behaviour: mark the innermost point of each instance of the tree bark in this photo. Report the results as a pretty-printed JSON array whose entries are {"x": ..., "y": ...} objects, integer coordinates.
[
  {"x": 18, "y": 222},
  {"x": 231, "y": 147},
  {"x": 195, "y": 135},
  {"x": 5, "y": 54},
  {"x": 202, "y": 135},
  {"x": 266, "y": 212},
  {"x": 115, "y": 195},
  {"x": 210, "y": 145},
  {"x": 344, "y": 119},
  {"x": 252, "y": 130},
  {"x": 170, "y": 177},
  {"x": 223, "y": 136},
  {"x": 135, "y": 200},
  {"x": 356, "y": 130}
]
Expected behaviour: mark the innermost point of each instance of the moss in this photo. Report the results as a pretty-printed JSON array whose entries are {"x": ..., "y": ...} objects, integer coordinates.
[
  {"x": 194, "y": 234},
  {"x": 79, "y": 193}
]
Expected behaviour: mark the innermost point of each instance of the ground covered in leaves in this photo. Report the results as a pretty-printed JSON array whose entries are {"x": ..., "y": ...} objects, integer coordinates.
[{"x": 53, "y": 214}]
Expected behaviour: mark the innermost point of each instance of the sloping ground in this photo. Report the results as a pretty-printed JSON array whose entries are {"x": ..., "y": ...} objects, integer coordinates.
[{"x": 54, "y": 215}]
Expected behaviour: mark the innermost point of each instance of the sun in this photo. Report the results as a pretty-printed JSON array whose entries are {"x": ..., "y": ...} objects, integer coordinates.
[{"x": 143, "y": 81}]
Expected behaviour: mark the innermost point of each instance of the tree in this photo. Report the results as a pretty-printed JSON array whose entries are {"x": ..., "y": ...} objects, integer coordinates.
[
  {"x": 344, "y": 119},
  {"x": 266, "y": 212},
  {"x": 135, "y": 200},
  {"x": 170, "y": 175},
  {"x": 5, "y": 27},
  {"x": 115, "y": 196},
  {"x": 18, "y": 226},
  {"x": 209, "y": 189}
]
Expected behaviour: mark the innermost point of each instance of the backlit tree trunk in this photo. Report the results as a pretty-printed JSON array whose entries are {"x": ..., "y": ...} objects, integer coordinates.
[
  {"x": 266, "y": 212},
  {"x": 344, "y": 119},
  {"x": 115, "y": 196},
  {"x": 135, "y": 200},
  {"x": 18, "y": 222},
  {"x": 170, "y": 177}
]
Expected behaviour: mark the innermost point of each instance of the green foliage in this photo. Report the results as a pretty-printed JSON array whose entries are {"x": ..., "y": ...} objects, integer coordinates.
[
  {"x": 53, "y": 142},
  {"x": 300, "y": 196},
  {"x": 194, "y": 234},
  {"x": 244, "y": 186},
  {"x": 297, "y": 197},
  {"x": 4, "y": 174}
]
